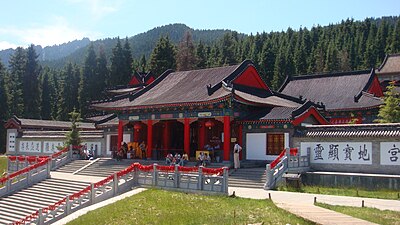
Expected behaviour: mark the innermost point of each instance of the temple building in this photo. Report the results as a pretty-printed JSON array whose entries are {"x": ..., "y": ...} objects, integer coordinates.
[
  {"x": 389, "y": 70},
  {"x": 348, "y": 97},
  {"x": 210, "y": 109}
]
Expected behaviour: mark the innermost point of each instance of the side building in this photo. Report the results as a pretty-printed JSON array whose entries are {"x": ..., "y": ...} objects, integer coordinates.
[{"x": 348, "y": 97}]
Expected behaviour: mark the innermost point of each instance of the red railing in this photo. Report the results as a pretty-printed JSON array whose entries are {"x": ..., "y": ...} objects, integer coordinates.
[
  {"x": 292, "y": 152},
  {"x": 137, "y": 166},
  {"x": 24, "y": 170}
]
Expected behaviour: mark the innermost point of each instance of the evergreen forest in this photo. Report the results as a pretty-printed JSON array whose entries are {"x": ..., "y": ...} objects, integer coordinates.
[{"x": 37, "y": 89}]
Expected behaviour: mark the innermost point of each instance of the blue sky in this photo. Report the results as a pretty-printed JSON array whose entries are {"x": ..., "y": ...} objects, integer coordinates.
[{"x": 49, "y": 22}]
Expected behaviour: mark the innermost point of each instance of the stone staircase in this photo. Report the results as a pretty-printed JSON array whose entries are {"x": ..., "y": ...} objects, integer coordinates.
[
  {"x": 73, "y": 166},
  {"x": 22, "y": 203},
  {"x": 247, "y": 177}
]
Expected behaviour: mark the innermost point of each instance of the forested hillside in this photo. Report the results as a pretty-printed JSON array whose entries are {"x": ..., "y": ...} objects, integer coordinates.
[{"x": 49, "y": 90}]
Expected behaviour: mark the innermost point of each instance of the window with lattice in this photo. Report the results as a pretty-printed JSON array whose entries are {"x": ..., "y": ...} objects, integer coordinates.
[{"x": 275, "y": 143}]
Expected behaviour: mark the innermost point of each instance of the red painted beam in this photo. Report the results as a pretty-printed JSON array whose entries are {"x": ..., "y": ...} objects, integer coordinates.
[
  {"x": 120, "y": 133},
  {"x": 227, "y": 137},
  {"x": 186, "y": 136},
  {"x": 149, "y": 137}
]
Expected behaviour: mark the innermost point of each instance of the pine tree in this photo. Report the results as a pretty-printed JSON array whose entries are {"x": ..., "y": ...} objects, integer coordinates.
[
  {"x": 228, "y": 50},
  {"x": 66, "y": 100},
  {"x": 73, "y": 136},
  {"x": 46, "y": 94},
  {"x": 214, "y": 58},
  {"x": 30, "y": 91},
  {"x": 332, "y": 62},
  {"x": 14, "y": 88},
  {"x": 389, "y": 112},
  {"x": 380, "y": 44},
  {"x": 127, "y": 66},
  {"x": 370, "y": 51},
  {"x": 87, "y": 90},
  {"x": 163, "y": 57},
  {"x": 3, "y": 99},
  {"x": 279, "y": 71},
  {"x": 143, "y": 64},
  {"x": 3, "y": 106},
  {"x": 395, "y": 45},
  {"x": 186, "y": 56},
  {"x": 267, "y": 62},
  {"x": 117, "y": 76},
  {"x": 102, "y": 73},
  {"x": 201, "y": 56}
]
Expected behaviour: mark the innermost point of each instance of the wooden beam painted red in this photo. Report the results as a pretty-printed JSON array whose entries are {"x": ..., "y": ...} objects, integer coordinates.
[
  {"x": 149, "y": 138},
  {"x": 227, "y": 137},
  {"x": 186, "y": 136},
  {"x": 120, "y": 133}
]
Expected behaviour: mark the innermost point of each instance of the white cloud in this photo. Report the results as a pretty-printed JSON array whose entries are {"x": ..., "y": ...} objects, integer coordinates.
[
  {"x": 7, "y": 45},
  {"x": 58, "y": 32},
  {"x": 99, "y": 8}
]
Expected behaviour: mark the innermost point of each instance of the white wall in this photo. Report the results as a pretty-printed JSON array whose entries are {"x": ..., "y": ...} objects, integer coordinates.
[{"x": 256, "y": 145}]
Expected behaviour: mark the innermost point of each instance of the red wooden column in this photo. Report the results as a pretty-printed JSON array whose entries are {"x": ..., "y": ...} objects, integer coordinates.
[
  {"x": 240, "y": 138},
  {"x": 186, "y": 135},
  {"x": 167, "y": 135},
  {"x": 227, "y": 137},
  {"x": 149, "y": 138},
  {"x": 120, "y": 133},
  {"x": 202, "y": 133}
]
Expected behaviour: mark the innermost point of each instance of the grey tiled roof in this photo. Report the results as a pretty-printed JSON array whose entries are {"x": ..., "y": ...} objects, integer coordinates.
[
  {"x": 391, "y": 64},
  {"x": 351, "y": 130},
  {"x": 33, "y": 123},
  {"x": 337, "y": 91}
]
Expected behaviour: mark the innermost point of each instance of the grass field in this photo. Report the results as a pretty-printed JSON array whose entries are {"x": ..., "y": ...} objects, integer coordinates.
[
  {"x": 3, "y": 164},
  {"x": 382, "y": 194},
  {"x": 167, "y": 207},
  {"x": 384, "y": 217}
]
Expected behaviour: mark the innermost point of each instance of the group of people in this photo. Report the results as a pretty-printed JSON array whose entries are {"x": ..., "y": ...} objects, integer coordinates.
[
  {"x": 123, "y": 151},
  {"x": 204, "y": 159},
  {"x": 176, "y": 159}
]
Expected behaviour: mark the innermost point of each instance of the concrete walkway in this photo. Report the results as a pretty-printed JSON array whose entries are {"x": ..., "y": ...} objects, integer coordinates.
[{"x": 302, "y": 204}]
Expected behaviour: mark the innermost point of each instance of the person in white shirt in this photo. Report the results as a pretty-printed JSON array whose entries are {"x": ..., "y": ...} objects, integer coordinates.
[{"x": 236, "y": 149}]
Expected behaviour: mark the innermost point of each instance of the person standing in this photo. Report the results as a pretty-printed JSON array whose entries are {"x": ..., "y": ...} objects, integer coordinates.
[
  {"x": 236, "y": 149},
  {"x": 143, "y": 149}
]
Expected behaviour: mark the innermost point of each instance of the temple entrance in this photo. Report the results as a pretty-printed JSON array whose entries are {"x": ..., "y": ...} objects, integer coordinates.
[
  {"x": 206, "y": 136},
  {"x": 167, "y": 138}
]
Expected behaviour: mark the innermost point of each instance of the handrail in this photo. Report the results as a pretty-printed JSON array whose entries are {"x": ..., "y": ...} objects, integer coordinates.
[{"x": 89, "y": 194}]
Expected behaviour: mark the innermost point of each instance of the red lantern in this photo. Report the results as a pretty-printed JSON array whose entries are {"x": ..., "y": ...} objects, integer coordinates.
[
  {"x": 137, "y": 126},
  {"x": 209, "y": 124}
]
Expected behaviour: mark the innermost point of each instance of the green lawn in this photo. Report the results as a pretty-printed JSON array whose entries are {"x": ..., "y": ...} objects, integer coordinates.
[
  {"x": 3, "y": 164},
  {"x": 382, "y": 194},
  {"x": 384, "y": 217},
  {"x": 167, "y": 207}
]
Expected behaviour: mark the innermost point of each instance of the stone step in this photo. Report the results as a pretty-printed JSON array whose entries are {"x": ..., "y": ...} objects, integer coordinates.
[
  {"x": 60, "y": 187},
  {"x": 13, "y": 209},
  {"x": 9, "y": 218},
  {"x": 31, "y": 199},
  {"x": 62, "y": 181},
  {"x": 27, "y": 195},
  {"x": 15, "y": 213},
  {"x": 11, "y": 215},
  {"x": 39, "y": 193},
  {"x": 25, "y": 202},
  {"x": 5, "y": 221},
  {"x": 52, "y": 190},
  {"x": 17, "y": 205}
]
